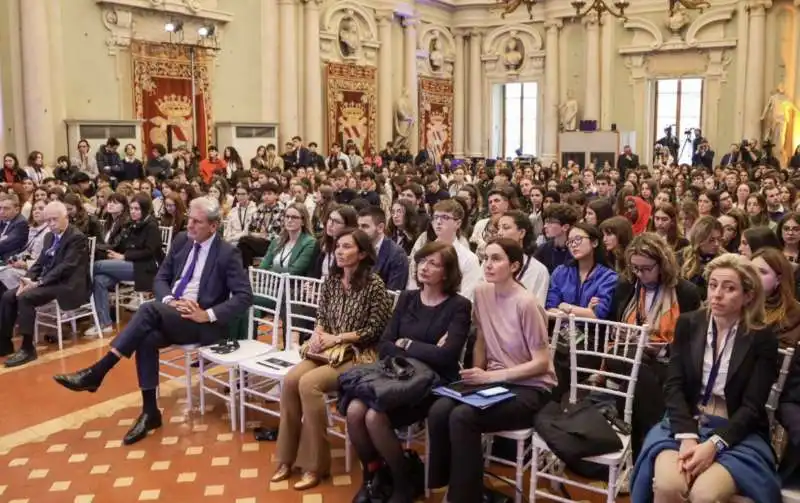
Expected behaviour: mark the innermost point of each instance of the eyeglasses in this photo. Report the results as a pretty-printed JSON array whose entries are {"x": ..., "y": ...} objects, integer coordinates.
[
  {"x": 576, "y": 241},
  {"x": 640, "y": 269},
  {"x": 292, "y": 217},
  {"x": 335, "y": 221},
  {"x": 443, "y": 218},
  {"x": 242, "y": 194},
  {"x": 791, "y": 230}
]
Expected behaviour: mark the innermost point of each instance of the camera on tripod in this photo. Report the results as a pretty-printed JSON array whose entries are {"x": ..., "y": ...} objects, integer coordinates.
[{"x": 688, "y": 132}]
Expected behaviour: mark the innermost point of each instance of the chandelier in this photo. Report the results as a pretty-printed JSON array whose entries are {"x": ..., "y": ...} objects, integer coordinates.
[{"x": 616, "y": 7}]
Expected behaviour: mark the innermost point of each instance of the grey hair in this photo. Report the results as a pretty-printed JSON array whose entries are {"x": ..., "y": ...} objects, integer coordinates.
[
  {"x": 58, "y": 207},
  {"x": 208, "y": 206},
  {"x": 11, "y": 196}
]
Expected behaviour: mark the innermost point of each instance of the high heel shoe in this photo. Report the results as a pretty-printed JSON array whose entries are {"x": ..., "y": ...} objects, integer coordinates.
[
  {"x": 282, "y": 473},
  {"x": 307, "y": 481}
]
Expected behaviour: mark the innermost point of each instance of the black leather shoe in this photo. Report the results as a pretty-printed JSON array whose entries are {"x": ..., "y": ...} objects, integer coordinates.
[
  {"x": 143, "y": 425},
  {"x": 21, "y": 357},
  {"x": 376, "y": 488},
  {"x": 78, "y": 381}
]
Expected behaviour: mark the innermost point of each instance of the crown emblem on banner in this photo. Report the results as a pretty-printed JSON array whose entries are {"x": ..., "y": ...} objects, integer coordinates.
[
  {"x": 352, "y": 110},
  {"x": 173, "y": 105},
  {"x": 437, "y": 116}
]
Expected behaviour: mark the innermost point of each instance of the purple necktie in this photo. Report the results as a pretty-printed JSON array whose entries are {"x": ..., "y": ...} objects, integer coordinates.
[{"x": 184, "y": 282}]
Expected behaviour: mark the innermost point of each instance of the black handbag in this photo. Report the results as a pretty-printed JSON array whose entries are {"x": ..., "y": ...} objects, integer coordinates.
[{"x": 577, "y": 431}]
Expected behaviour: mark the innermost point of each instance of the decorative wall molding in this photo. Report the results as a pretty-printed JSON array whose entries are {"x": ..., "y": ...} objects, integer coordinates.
[
  {"x": 435, "y": 61},
  {"x": 502, "y": 45},
  {"x": 344, "y": 16},
  {"x": 707, "y": 31},
  {"x": 144, "y": 20}
]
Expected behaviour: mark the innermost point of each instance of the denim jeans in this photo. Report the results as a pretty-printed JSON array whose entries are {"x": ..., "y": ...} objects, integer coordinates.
[{"x": 107, "y": 273}]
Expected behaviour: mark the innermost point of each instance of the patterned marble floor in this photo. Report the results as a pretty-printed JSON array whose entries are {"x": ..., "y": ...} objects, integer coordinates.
[{"x": 61, "y": 447}]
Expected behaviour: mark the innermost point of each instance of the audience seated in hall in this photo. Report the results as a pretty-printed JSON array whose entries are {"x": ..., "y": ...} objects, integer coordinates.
[
  {"x": 184, "y": 313},
  {"x": 354, "y": 307},
  {"x": 134, "y": 256},
  {"x": 18, "y": 265},
  {"x": 340, "y": 218},
  {"x": 294, "y": 250},
  {"x": 511, "y": 349},
  {"x": 264, "y": 226},
  {"x": 60, "y": 273},
  {"x": 723, "y": 363},
  {"x": 430, "y": 325}
]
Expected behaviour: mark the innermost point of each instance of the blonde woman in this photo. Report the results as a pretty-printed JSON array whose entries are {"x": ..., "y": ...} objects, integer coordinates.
[
  {"x": 704, "y": 246},
  {"x": 723, "y": 362}
]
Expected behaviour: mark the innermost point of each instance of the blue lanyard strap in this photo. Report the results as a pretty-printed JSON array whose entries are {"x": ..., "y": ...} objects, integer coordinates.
[{"x": 716, "y": 360}]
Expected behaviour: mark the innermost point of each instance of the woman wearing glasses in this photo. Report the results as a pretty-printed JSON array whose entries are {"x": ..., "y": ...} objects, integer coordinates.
[
  {"x": 239, "y": 217},
  {"x": 295, "y": 248},
  {"x": 789, "y": 236},
  {"x": 584, "y": 285},
  {"x": 650, "y": 291},
  {"x": 714, "y": 441},
  {"x": 340, "y": 218}
]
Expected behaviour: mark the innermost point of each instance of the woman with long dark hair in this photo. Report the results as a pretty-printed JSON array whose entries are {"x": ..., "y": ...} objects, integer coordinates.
[
  {"x": 340, "y": 218},
  {"x": 402, "y": 225},
  {"x": 511, "y": 350},
  {"x": 584, "y": 285},
  {"x": 665, "y": 224},
  {"x": 174, "y": 214},
  {"x": 734, "y": 223},
  {"x": 780, "y": 306},
  {"x": 533, "y": 275},
  {"x": 81, "y": 219},
  {"x": 354, "y": 307}
]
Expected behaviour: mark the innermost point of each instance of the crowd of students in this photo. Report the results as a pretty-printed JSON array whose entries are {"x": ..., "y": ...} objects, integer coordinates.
[{"x": 479, "y": 250}]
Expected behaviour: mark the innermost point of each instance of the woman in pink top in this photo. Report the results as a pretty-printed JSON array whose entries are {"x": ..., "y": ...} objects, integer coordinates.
[{"x": 512, "y": 351}]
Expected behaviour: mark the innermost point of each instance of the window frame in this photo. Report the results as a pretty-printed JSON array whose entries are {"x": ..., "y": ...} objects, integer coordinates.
[
  {"x": 521, "y": 100},
  {"x": 657, "y": 133}
]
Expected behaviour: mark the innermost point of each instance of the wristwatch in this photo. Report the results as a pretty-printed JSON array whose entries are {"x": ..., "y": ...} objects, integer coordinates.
[
  {"x": 338, "y": 338},
  {"x": 719, "y": 444}
]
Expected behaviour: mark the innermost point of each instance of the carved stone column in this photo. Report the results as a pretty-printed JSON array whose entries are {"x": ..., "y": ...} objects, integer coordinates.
[
  {"x": 742, "y": 24},
  {"x": 287, "y": 69},
  {"x": 591, "y": 102},
  {"x": 385, "y": 115},
  {"x": 475, "y": 95},
  {"x": 313, "y": 79},
  {"x": 754, "y": 103},
  {"x": 551, "y": 90},
  {"x": 37, "y": 78},
  {"x": 270, "y": 56},
  {"x": 410, "y": 58},
  {"x": 459, "y": 117}
]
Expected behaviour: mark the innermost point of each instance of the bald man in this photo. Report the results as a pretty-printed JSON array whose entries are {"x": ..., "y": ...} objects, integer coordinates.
[{"x": 60, "y": 273}]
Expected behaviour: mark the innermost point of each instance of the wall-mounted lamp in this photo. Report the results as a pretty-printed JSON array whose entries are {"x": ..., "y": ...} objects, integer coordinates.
[
  {"x": 173, "y": 26},
  {"x": 207, "y": 30}
]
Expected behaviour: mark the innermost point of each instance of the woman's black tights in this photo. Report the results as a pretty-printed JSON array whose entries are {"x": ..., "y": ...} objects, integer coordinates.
[{"x": 374, "y": 439}]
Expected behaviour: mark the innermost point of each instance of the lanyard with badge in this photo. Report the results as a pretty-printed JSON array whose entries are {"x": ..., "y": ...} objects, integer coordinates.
[{"x": 717, "y": 356}]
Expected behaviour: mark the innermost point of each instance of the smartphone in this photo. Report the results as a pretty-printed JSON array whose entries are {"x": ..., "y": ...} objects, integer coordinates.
[{"x": 497, "y": 390}]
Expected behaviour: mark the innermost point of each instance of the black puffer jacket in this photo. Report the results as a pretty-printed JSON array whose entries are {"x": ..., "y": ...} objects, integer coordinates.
[{"x": 376, "y": 385}]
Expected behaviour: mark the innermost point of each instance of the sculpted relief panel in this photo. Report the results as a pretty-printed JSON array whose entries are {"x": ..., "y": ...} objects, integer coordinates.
[
  {"x": 349, "y": 34},
  {"x": 436, "y": 51},
  {"x": 513, "y": 51}
]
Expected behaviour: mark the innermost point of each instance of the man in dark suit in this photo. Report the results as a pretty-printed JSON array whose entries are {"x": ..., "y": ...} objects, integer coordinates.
[
  {"x": 627, "y": 160},
  {"x": 392, "y": 265},
  {"x": 199, "y": 290},
  {"x": 13, "y": 227},
  {"x": 60, "y": 273},
  {"x": 300, "y": 155}
]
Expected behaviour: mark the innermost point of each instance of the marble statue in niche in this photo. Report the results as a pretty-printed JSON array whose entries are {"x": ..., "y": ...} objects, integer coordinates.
[
  {"x": 403, "y": 120},
  {"x": 568, "y": 113},
  {"x": 776, "y": 116},
  {"x": 512, "y": 56},
  {"x": 436, "y": 55},
  {"x": 349, "y": 40}
]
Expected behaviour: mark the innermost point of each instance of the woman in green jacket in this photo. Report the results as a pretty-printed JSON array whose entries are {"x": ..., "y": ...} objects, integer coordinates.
[
  {"x": 293, "y": 251},
  {"x": 295, "y": 248}
]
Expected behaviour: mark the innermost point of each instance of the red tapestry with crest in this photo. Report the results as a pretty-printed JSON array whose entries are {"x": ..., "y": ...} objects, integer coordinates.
[
  {"x": 162, "y": 77},
  {"x": 352, "y": 105},
  {"x": 436, "y": 116}
]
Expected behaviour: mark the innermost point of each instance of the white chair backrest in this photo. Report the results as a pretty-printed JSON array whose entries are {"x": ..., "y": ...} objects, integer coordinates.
[
  {"x": 266, "y": 285},
  {"x": 92, "y": 248},
  {"x": 166, "y": 238},
  {"x": 777, "y": 388},
  {"x": 560, "y": 327},
  {"x": 302, "y": 302},
  {"x": 595, "y": 341}
]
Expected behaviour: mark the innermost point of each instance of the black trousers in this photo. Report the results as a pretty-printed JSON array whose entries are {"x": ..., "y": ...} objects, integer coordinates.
[
  {"x": 252, "y": 247},
  {"x": 454, "y": 430},
  {"x": 22, "y": 308},
  {"x": 155, "y": 326}
]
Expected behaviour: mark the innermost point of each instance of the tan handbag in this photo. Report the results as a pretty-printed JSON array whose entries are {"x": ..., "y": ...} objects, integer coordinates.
[{"x": 333, "y": 356}]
